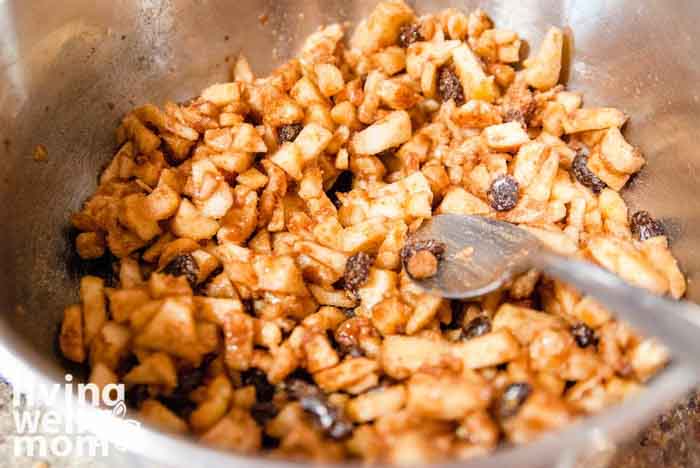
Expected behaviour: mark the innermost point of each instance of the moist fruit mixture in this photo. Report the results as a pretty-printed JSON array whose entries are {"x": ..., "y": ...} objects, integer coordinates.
[{"x": 262, "y": 299}]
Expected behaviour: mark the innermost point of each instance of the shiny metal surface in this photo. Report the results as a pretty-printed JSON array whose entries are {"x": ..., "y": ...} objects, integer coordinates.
[
  {"x": 481, "y": 255},
  {"x": 70, "y": 69}
]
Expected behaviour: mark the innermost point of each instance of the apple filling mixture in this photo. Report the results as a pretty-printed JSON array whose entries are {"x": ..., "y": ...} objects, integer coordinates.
[{"x": 263, "y": 300}]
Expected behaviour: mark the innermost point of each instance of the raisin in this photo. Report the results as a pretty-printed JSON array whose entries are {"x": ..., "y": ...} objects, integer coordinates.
[
  {"x": 449, "y": 86},
  {"x": 269, "y": 442},
  {"x": 264, "y": 390},
  {"x": 253, "y": 118},
  {"x": 329, "y": 417},
  {"x": 477, "y": 326},
  {"x": 513, "y": 398},
  {"x": 645, "y": 227},
  {"x": 584, "y": 335},
  {"x": 522, "y": 114},
  {"x": 248, "y": 306},
  {"x": 456, "y": 316},
  {"x": 356, "y": 271},
  {"x": 504, "y": 193},
  {"x": 126, "y": 364},
  {"x": 514, "y": 115},
  {"x": 584, "y": 175},
  {"x": 183, "y": 265},
  {"x": 136, "y": 395},
  {"x": 189, "y": 378},
  {"x": 289, "y": 132},
  {"x": 262, "y": 412},
  {"x": 410, "y": 33},
  {"x": 420, "y": 258},
  {"x": 181, "y": 406},
  {"x": 300, "y": 374}
]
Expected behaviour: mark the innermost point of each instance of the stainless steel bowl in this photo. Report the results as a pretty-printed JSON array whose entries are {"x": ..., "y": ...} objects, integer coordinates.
[{"x": 70, "y": 70}]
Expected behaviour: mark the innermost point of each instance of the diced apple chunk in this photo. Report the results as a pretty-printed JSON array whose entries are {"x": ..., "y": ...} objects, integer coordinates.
[{"x": 391, "y": 131}]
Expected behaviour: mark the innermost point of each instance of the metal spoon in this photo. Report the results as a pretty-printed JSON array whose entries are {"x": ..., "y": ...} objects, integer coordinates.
[{"x": 483, "y": 254}]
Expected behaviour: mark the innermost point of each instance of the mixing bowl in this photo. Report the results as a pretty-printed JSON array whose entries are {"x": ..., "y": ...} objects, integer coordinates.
[{"x": 70, "y": 69}]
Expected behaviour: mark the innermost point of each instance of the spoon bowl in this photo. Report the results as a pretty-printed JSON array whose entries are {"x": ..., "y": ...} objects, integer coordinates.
[{"x": 481, "y": 254}]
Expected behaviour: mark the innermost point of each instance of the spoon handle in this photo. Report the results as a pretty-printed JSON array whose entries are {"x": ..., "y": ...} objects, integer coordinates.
[{"x": 675, "y": 323}]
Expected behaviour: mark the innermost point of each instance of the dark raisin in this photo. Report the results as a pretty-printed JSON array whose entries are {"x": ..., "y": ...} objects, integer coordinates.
[
  {"x": 264, "y": 390},
  {"x": 504, "y": 193},
  {"x": 253, "y": 118},
  {"x": 449, "y": 86},
  {"x": 248, "y": 306},
  {"x": 515, "y": 115},
  {"x": 416, "y": 263},
  {"x": 262, "y": 412},
  {"x": 329, "y": 417},
  {"x": 456, "y": 316},
  {"x": 189, "y": 378},
  {"x": 579, "y": 167},
  {"x": 137, "y": 394},
  {"x": 289, "y": 132},
  {"x": 521, "y": 112},
  {"x": 584, "y": 335},
  {"x": 126, "y": 364},
  {"x": 299, "y": 374},
  {"x": 183, "y": 265},
  {"x": 179, "y": 405},
  {"x": 513, "y": 398},
  {"x": 357, "y": 271},
  {"x": 477, "y": 326},
  {"x": 410, "y": 33},
  {"x": 645, "y": 227},
  {"x": 269, "y": 442}
]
